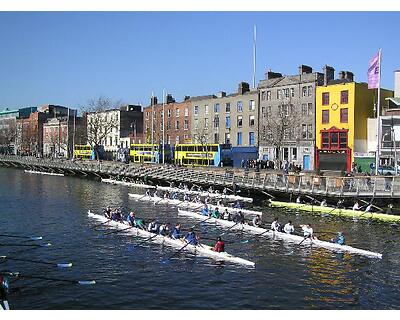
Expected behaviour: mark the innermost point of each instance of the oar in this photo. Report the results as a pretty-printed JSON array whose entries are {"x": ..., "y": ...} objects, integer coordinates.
[
  {"x": 24, "y": 245},
  {"x": 305, "y": 238},
  {"x": 34, "y": 238},
  {"x": 19, "y": 275},
  {"x": 231, "y": 227},
  {"x": 309, "y": 197},
  {"x": 193, "y": 226},
  {"x": 59, "y": 265},
  {"x": 159, "y": 201},
  {"x": 175, "y": 253},
  {"x": 100, "y": 224},
  {"x": 119, "y": 230},
  {"x": 140, "y": 198},
  {"x": 368, "y": 203},
  {"x": 148, "y": 239}
]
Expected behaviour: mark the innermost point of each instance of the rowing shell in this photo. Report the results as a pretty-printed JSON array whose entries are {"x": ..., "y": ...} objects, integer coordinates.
[
  {"x": 128, "y": 184},
  {"x": 207, "y": 194},
  {"x": 191, "y": 205},
  {"x": 4, "y": 305},
  {"x": 284, "y": 236},
  {"x": 45, "y": 173},
  {"x": 337, "y": 211},
  {"x": 200, "y": 249}
]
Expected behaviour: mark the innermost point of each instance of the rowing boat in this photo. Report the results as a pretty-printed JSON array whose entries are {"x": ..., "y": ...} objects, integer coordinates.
[
  {"x": 284, "y": 236},
  {"x": 191, "y": 205},
  {"x": 207, "y": 194},
  {"x": 336, "y": 211},
  {"x": 4, "y": 305},
  {"x": 128, "y": 184},
  {"x": 201, "y": 249},
  {"x": 45, "y": 173}
]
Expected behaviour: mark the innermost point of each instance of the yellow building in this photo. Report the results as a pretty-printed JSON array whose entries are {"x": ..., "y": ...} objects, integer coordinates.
[{"x": 342, "y": 109}]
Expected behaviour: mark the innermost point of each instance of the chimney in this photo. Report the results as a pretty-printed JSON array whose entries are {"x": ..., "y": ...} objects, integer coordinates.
[
  {"x": 170, "y": 99},
  {"x": 243, "y": 87},
  {"x": 186, "y": 98},
  {"x": 349, "y": 75},
  {"x": 342, "y": 75},
  {"x": 329, "y": 74},
  {"x": 303, "y": 69},
  {"x": 272, "y": 75},
  {"x": 222, "y": 94},
  {"x": 153, "y": 101}
]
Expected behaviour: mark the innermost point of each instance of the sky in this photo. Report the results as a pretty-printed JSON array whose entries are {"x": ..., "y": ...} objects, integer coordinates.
[{"x": 67, "y": 58}]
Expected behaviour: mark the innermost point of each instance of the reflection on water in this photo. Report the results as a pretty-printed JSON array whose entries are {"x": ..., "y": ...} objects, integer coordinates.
[{"x": 131, "y": 276}]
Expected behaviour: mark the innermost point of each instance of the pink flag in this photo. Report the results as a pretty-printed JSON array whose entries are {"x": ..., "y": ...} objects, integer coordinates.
[{"x": 373, "y": 72}]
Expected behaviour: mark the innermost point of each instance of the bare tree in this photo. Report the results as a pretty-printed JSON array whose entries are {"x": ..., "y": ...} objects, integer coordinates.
[
  {"x": 99, "y": 123},
  {"x": 8, "y": 133},
  {"x": 202, "y": 136}
]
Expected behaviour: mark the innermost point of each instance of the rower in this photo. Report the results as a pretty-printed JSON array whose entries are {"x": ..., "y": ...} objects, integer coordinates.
[
  {"x": 186, "y": 197},
  {"x": 275, "y": 226},
  {"x": 307, "y": 231},
  {"x": 205, "y": 211},
  {"x": 389, "y": 209},
  {"x": 289, "y": 228},
  {"x": 339, "y": 239},
  {"x": 356, "y": 206},
  {"x": 117, "y": 215},
  {"x": 175, "y": 195},
  {"x": 148, "y": 194},
  {"x": 4, "y": 290},
  {"x": 219, "y": 203},
  {"x": 225, "y": 191},
  {"x": 153, "y": 226},
  {"x": 180, "y": 186},
  {"x": 140, "y": 223},
  {"x": 193, "y": 188},
  {"x": 131, "y": 219},
  {"x": 219, "y": 245},
  {"x": 368, "y": 208},
  {"x": 210, "y": 189},
  {"x": 191, "y": 237},
  {"x": 238, "y": 205},
  {"x": 239, "y": 217},
  {"x": 207, "y": 200},
  {"x": 166, "y": 195},
  {"x": 298, "y": 200},
  {"x": 256, "y": 221},
  {"x": 107, "y": 212},
  {"x": 176, "y": 232},
  {"x": 323, "y": 203},
  {"x": 165, "y": 228},
  {"x": 216, "y": 214},
  {"x": 227, "y": 215}
]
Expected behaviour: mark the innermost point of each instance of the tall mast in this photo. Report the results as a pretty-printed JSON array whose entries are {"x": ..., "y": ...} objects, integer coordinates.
[
  {"x": 378, "y": 120},
  {"x": 254, "y": 55}
]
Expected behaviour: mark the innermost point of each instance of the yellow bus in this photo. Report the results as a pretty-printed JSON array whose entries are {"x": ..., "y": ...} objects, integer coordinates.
[
  {"x": 149, "y": 153},
  {"x": 83, "y": 152},
  {"x": 197, "y": 154}
]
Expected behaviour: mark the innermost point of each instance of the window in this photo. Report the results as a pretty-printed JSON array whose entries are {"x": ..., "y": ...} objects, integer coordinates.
[
  {"x": 309, "y": 91},
  {"x": 161, "y": 126},
  {"x": 304, "y": 110},
  {"x": 252, "y": 121},
  {"x": 228, "y": 122},
  {"x": 269, "y": 111},
  {"x": 177, "y": 125},
  {"x": 147, "y": 115},
  {"x": 292, "y": 92},
  {"x": 186, "y": 124},
  {"x": 325, "y": 116},
  {"x": 228, "y": 107},
  {"x": 279, "y": 94},
  {"x": 196, "y": 123},
  {"x": 169, "y": 113},
  {"x": 334, "y": 137},
  {"x": 263, "y": 112},
  {"x": 325, "y": 98},
  {"x": 196, "y": 110},
  {"x": 344, "y": 115},
  {"x": 216, "y": 122},
  {"x": 206, "y": 109},
  {"x": 310, "y": 131},
  {"x": 344, "y": 97},
  {"x": 216, "y": 108},
  {"x": 294, "y": 153},
  {"x": 325, "y": 140},
  {"x": 205, "y": 122},
  {"x": 252, "y": 105},
  {"x": 343, "y": 140},
  {"x": 310, "y": 108},
  {"x": 239, "y": 106},
  {"x": 177, "y": 139},
  {"x": 239, "y": 138},
  {"x": 286, "y": 92},
  {"x": 177, "y": 112},
  {"x": 263, "y": 95},
  {"x": 186, "y": 112},
  {"x": 239, "y": 121},
  {"x": 304, "y": 91},
  {"x": 168, "y": 124},
  {"x": 268, "y": 95},
  {"x": 227, "y": 138},
  {"x": 216, "y": 137},
  {"x": 251, "y": 138},
  {"x": 286, "y": 134}
]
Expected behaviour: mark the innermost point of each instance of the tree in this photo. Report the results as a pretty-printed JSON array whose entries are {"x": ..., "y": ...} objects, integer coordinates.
[
  {"x": 8, "y": 133},
  {"x": 100, "y": 122},
  {"x": 202, "y": 136}
]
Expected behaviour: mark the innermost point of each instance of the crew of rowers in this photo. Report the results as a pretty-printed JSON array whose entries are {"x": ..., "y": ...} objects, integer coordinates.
[
  {"x": 163, "y": 229},
  {"x": 356, "y": 206}
]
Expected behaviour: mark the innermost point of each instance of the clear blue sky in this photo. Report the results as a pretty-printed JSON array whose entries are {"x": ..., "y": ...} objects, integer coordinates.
[{"x": 67, "y": 58}]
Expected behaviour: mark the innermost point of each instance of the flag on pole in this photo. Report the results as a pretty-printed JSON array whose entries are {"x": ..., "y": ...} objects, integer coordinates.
[{"x": 373, "y": 72}]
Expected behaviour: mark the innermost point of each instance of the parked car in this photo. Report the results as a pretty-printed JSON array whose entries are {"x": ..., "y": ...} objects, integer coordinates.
[{"x": 386, "y": 170}]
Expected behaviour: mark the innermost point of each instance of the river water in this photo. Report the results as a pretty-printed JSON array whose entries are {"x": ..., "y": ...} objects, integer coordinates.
[{"x": 133, "y": 277}]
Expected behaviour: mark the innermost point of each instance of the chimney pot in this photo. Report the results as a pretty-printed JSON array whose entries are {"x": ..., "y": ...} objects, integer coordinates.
[{"x": 329, "y": 74}]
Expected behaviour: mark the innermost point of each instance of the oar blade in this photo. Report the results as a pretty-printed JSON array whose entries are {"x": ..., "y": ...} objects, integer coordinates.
[
  {"x": 64, "y": 265},
  {"x": 35, "y": 238},
  {"x": 86, "y": 282},
  {"x": 46, "y": 245}
]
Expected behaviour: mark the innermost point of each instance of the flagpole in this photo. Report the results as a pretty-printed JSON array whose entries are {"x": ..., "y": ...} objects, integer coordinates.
[
  {"x": 152, "y": 126},
  {"x": 163, "y": 127},
  {"x": 378, "y": 118},
  {"x": 254, "y": 55}
]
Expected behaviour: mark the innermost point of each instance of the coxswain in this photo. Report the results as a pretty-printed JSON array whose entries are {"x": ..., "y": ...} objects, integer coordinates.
[
  {"x": 176, "y": 232},
  {"x": 256, "y": 221},
  {"x": 239, "y": 217},
  {"x": 298, "y": 200},
  {"x": 205, "y": 211},
  {"x": 356, "y": 206},
  {"x": 107, "y": 212},
  {"x": 308, "y": 232},
  {"x": 339, "y": 239},
  {"x": 165, "y": 228},
  {"x": 323, "y": 203},
  {"x": 275, "y": 226},
  {"x": 153, "y": 226},
  {"x": 289, "y": 228},
  {"x": 227, "y": 215},
  {"x": 216, "y": 214},
  {"x": 191, "y": 237},
  {"x": 219, "y": 245}
]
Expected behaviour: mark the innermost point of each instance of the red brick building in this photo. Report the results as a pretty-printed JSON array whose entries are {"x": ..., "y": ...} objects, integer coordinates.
[{"x": 177, "y": 121}]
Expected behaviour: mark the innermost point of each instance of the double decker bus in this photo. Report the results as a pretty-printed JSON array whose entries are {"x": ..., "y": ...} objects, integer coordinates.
[
  {"x": 202, "y": 154},
  {"x": 83, "y": 152},
  {"x": 150, "y": 153}
]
